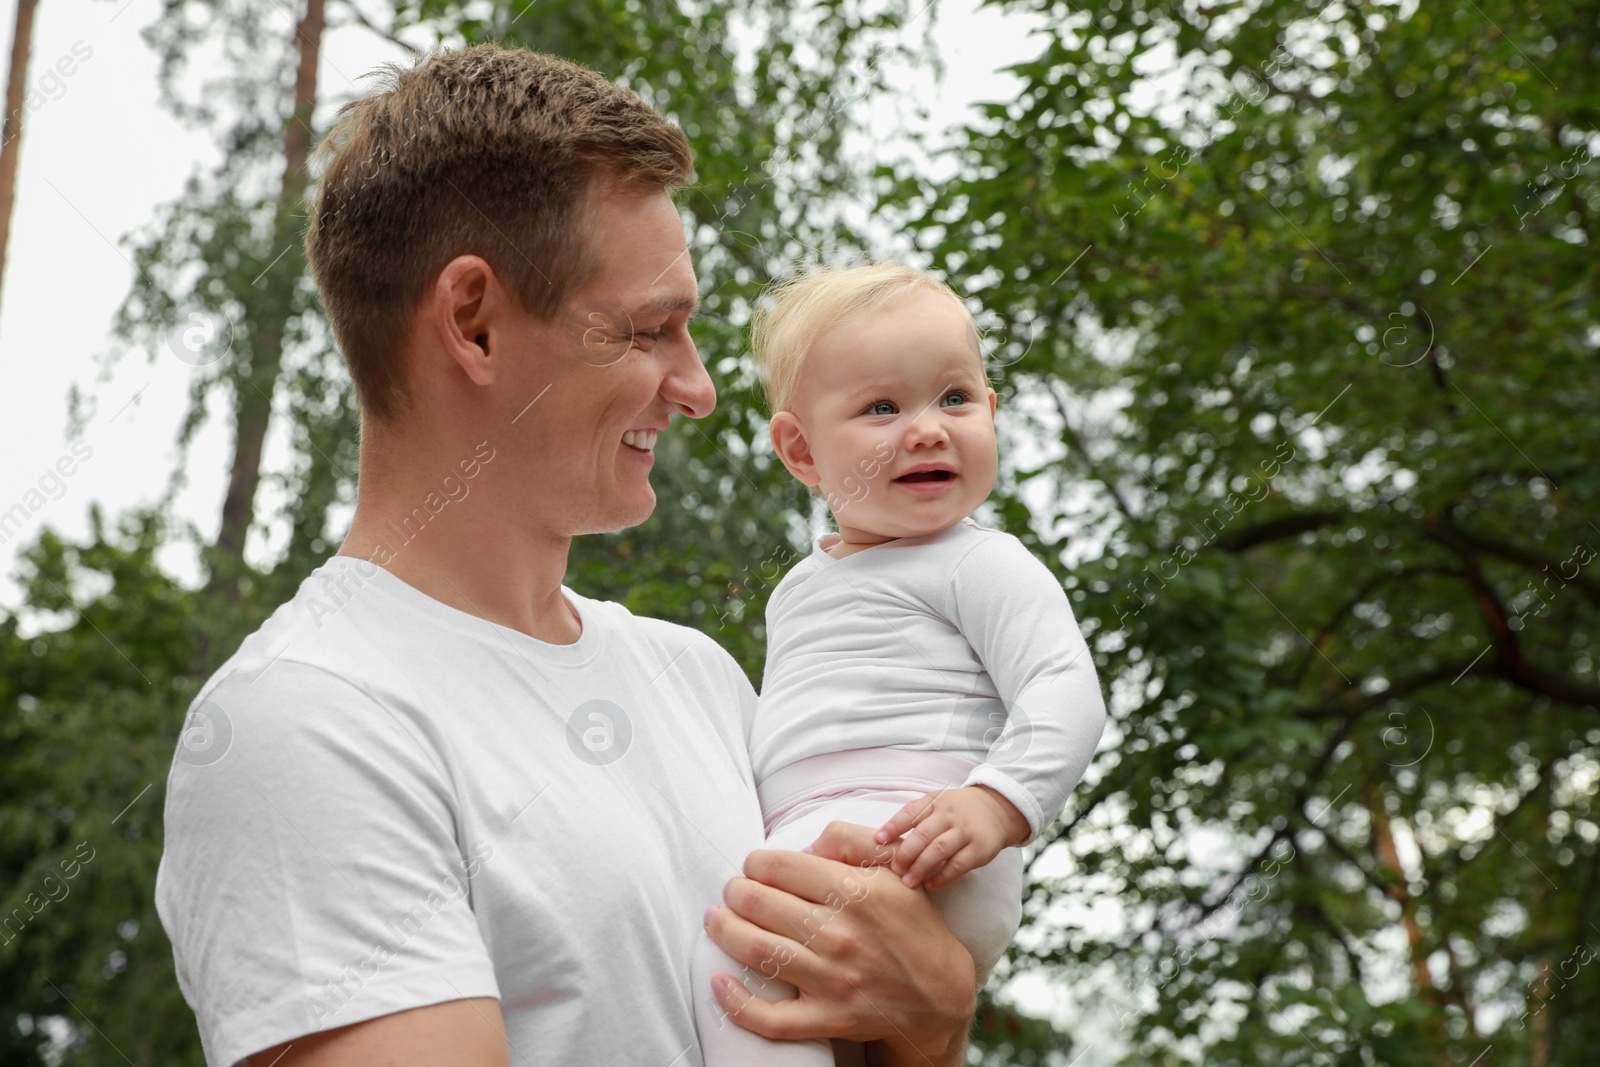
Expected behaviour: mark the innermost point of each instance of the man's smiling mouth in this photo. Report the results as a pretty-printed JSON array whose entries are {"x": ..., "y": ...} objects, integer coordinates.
[{"x": 640, "y": 440}]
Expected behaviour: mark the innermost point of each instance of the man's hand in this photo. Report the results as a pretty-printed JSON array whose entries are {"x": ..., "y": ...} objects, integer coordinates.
[
  {"x": 872, "y": 958},
  {"x": 960, "y": 829}
]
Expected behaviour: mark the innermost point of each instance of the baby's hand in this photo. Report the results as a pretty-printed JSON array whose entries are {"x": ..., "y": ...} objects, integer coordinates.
[{"x": 963, "y": 829}]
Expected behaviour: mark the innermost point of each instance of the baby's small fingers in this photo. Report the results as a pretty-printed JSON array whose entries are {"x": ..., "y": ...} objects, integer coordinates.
[
  {"x": 967, "y": 859},
  {"x": 902, "y": 820},
  {"x": 940, "y": 850},
  {"x": 906, "y": 850},
  {"x": 921, "y": 836}
]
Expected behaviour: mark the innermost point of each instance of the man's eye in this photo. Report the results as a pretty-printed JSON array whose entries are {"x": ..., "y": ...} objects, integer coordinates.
[
  {"x": 653, "y": 335},
  {"x": 873, "y": 410}
]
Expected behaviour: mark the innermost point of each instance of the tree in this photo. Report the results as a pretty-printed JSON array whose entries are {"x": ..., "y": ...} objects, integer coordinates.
[
  {"x": 11, "y": 131},
  {"x": 1307, "y": 322}
]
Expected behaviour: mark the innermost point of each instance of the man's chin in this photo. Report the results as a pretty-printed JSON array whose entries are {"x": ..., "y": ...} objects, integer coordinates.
[{"x": 622, "y": 516}]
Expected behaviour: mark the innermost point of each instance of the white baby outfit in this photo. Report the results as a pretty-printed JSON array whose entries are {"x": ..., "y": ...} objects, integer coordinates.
[{"x": 916, "y": 665}]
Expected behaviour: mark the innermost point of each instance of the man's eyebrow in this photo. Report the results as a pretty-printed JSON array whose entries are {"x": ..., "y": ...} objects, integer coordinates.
[{"x": 668, "y": 304}]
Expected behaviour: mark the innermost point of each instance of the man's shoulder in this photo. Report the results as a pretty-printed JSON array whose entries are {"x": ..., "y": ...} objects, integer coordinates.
[
  {"x": 301, "y": 659},
  {"x": 254, "y": 675},
  {"x": 276, "y": 707}
]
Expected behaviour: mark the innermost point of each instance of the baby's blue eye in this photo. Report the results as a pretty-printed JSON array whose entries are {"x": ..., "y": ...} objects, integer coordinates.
[
  {"x": 959, "y": 394},
  {"x": 873, "y": 410}
]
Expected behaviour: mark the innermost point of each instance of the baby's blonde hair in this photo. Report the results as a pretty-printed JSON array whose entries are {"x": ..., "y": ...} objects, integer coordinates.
[{"x": 793, "y": 314}]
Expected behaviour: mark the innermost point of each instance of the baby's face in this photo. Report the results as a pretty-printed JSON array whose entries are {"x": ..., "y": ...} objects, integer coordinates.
[{"x": 898, "y": 419}]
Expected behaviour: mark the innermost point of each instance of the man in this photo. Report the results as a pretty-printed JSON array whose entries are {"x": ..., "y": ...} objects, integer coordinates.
[{"x": 441, "y": 808}]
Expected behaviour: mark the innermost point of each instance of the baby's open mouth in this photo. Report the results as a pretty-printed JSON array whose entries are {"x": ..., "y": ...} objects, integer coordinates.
[{"x": 927, "y": 476}]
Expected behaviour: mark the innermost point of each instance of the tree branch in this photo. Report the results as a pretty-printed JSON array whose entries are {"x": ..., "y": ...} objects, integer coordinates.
[
  {"x": 1349, "y": 605},
  {"x": 1284, "y": 526},
  {"x": 1513, "y": 664},
  {"x": 1303, "y": 794},
  {"x": 360, "y": 19},
  {"x": 1400, "y": 687},
  {"x": 1445, "y": 528},
  {"x": 1075, "y": 445}
]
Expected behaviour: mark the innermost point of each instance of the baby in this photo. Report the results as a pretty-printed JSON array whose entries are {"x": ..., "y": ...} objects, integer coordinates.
[{"x": 924, "y": 673}]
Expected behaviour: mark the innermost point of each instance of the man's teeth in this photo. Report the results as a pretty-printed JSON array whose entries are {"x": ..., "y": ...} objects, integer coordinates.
[{"x": 644, "y": 440}]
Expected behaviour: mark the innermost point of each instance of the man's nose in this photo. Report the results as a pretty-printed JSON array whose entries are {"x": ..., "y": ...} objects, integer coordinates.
[{"x": 688, "y": 386}]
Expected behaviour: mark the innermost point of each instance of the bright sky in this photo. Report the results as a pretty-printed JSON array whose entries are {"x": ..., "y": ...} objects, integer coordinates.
[{"x": 99, "y": 155}]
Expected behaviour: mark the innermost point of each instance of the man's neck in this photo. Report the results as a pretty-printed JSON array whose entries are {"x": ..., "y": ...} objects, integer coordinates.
[{"x": 462, "y": 550}]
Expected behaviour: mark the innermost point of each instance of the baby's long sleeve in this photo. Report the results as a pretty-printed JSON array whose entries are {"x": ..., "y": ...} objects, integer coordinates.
[{"x": 1014, "y": 613}]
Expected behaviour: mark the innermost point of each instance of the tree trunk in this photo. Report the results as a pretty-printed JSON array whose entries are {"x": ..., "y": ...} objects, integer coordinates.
[
  {"x": 257, "y": 383},
  {"x": 1388, "y": 857},
  {"x": 16, "y": 86}
]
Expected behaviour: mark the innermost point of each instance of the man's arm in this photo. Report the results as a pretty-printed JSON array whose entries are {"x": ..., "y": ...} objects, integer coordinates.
[
  {"x": 872, "y": 958},
  {"x": 466, "y": 1032}
]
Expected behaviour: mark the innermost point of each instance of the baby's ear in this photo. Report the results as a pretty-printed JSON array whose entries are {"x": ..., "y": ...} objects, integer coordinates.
[
  {"x": 993, "y": 401},
  {"x": 789, "y": 441}
]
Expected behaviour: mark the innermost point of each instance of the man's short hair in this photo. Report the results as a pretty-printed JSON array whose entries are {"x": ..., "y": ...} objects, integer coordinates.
[
  {"x": 794, "y": 314},
  {"x": 481, "y": 151}
]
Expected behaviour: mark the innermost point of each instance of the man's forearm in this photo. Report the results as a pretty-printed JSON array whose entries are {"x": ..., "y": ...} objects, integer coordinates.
[
  {"x": 941, "y": 1042},
  {"x": 899, "y": 1053}
]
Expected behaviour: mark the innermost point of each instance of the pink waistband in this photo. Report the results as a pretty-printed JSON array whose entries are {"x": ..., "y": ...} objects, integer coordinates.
[{"x": 799, "y": 787}]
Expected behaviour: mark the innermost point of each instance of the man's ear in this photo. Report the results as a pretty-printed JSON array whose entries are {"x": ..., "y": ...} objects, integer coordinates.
[
  {"x": 789, "y": 441},
  {"x": 465, "y": 308}
]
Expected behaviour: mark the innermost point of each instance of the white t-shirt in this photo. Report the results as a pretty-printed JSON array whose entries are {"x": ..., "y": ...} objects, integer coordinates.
[
  {"x": 960, "y": 641},
  {"x": 381, "y": 803}
]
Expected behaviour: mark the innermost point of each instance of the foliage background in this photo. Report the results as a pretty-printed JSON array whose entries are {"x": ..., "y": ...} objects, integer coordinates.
[{"x": 1291, "y": 310}]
